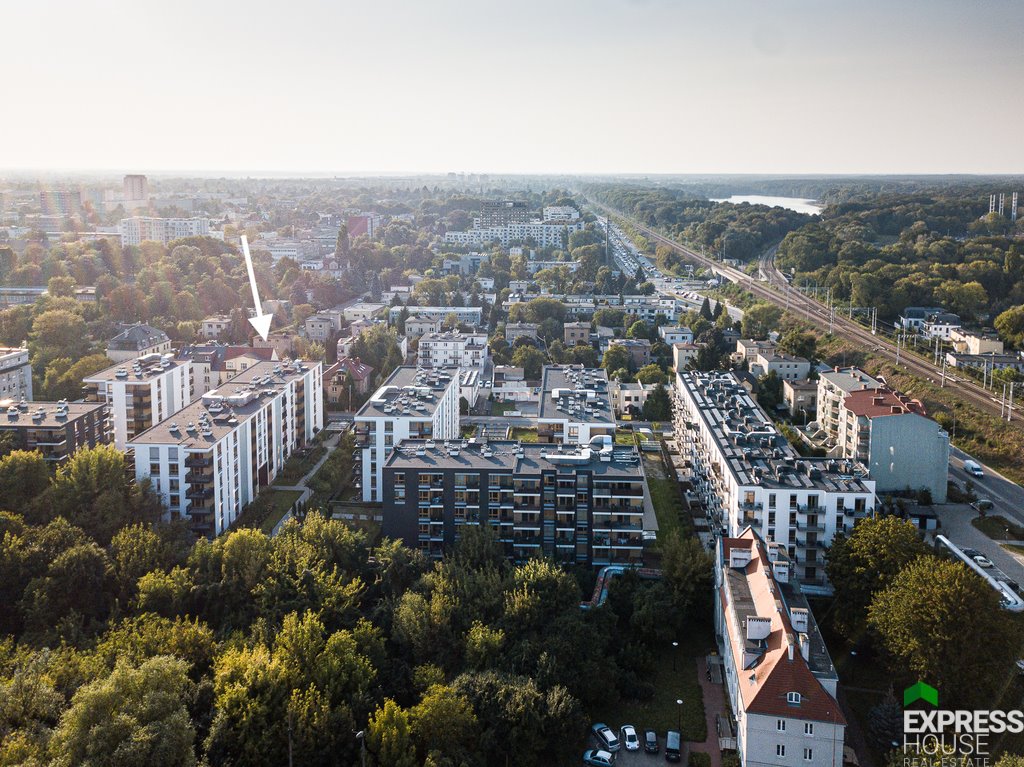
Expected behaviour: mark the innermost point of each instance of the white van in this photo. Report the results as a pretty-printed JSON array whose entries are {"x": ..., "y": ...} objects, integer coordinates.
[{"x": 974, "y": 468}]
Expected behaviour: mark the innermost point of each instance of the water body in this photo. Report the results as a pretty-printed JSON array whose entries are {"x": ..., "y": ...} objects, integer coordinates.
[{"x": 792, "y": 203}]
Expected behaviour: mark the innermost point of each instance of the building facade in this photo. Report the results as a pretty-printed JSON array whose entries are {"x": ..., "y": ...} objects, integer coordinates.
[
  {"x": 210, "y": 459},
  {"x": 585, "y": 505},
  {"x": 516, "y": 330},
  {"x": 468, "y": 315},
  {"x": 413, "y": 403},
  {"x": 576, "y": 333},
  {"x": 453, "y": 349},
  {"x": 136, "y": 341},
  {"x": 139, "y": 229},
  {"x": 575, "y": 405},
  {"x": 15, "y": 373},
  {"x": 833, "y": 386},
  {"x": 56, "y": 429},
  {"x": 141, "y": 393}
]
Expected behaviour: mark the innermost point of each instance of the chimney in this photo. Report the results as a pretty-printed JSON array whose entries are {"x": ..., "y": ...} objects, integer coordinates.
[{"x": 805, "y": 646}]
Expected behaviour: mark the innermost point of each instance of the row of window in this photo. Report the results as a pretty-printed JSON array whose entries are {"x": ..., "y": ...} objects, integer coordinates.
[{"x": 780, "y": 750}]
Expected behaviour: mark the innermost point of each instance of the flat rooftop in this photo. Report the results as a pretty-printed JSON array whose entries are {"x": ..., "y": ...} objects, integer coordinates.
[
  {"x": 850, "y": 379},
  {"x": 754, "y": 449},
  {"x": 410, "y": 392},
  {"x": 220, "y": 411},
  {"x": 575, "y": 394},
  {"x": 144, "y": 368},
  {"x": 517, "y": 457},
  {"x": 44, "y": 415}
]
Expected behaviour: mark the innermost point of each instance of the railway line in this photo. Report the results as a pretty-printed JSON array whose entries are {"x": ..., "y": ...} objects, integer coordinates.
[{"x": 777, "y": 290}]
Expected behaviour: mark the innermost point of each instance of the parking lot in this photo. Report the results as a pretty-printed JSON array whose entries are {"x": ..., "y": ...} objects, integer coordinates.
[{"x": 626, "y": 758}]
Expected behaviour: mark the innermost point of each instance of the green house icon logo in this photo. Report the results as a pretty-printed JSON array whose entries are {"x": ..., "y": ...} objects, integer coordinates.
[{"x": 921, "y": 691}]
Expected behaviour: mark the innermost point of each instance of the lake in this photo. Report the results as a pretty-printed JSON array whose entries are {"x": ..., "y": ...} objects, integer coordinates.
[{"x": 793, "y": 203}]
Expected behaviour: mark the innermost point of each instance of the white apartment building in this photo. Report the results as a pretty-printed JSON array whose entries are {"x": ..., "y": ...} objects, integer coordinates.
[
  {"x": 141, "y": 393},
  {"x": 137, "y": 340},
  {"x": 941, "y": 325},
  {"x": 15, "y": 374},
  {"x": 211, "y": 328},
  {"x": 780, "y": 678},
  {"x": 833, "y": 387},
  {"x": 209, "y": 460},
  {"x": 323, "y": 325},
  {"x": 966, "y": 342},
  {"x": 575, "y": 405},
  {"x": 469, "y": 315},
  {"x": 675, "y": 335},
  {"x": 560, "y": 213},
  {"x": 545, "y": 234},
  {"x": 783, "y": 365},
  {"x": 213, "y": 364},
  {"x": 748, "y": 475},
  {"x": 453, "y": 349},
  {"x": 893, "y": 436},
  {"x": 415, "y": 327},
  {"x": 362, "y": 311},
  {"x": 139, "y": 229},
  {"x": 414, "y": 403}
]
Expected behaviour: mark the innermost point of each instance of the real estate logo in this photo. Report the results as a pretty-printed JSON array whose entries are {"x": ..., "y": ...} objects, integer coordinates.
[{"x": 935, "y": 737}]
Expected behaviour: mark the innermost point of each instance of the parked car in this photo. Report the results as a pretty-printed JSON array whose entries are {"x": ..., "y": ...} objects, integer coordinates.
[
  {"x": 1020, "y": 666},
  {"x": 628, "y": 737},
  {"x": 673, "y": 746},
  {"x": 605, "y": 736},
  {"x": 982, "y": 505},
  {"x": 598, "y": 758},
  {"x": 651, "y": 741}
]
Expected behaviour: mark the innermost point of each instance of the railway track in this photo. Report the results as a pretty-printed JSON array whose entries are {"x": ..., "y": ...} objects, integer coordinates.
[{"x": 778, "y": 291}]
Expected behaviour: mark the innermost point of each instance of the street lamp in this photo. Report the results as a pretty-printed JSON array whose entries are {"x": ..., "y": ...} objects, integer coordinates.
[
  {"x": 679, "y": 715},
  {"x": 675, "y": 646}
]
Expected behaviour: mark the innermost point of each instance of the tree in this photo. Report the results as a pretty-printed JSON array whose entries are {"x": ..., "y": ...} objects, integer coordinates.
[
  {"x": 341, "y": 244},
  {"x": 390, "y": 736},
  {"x": 760, "y": 319},
  {"x": 531, "y": 360},
  {"x": 135, "y": 717},
  {"x": 649, "y": 374},
  {"x": 657, "y": 406},
  {"x": 687, "y": 571},
  {"x": 63, "y": 378},
  {"x": 705, "y": 310},
  {"x": 866, "y": 561},
  {"x": 769, "y": 391},
  {"x": 443, "y": 722},
  {"x": 917, "y": 618},
  {"x": 609, "y": 317},
  {"x": 1010, "y": 325},
  {"x": 616, "y": 358},
  {"x": 799, "y": 344},
  {"x": 57, "y": 333},
  {"x": 24, "y": 476}
]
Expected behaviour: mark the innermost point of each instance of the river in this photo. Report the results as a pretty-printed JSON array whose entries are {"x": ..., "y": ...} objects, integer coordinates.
[{"x": 793, "y": 203}]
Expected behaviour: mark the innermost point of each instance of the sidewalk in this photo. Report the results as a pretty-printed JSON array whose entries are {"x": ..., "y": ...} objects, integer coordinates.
[
  {"x": 331, "y": 445},
  {"x": 714, "y": 704}
]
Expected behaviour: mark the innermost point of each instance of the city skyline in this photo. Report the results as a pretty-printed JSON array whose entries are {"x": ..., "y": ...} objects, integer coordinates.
[{"x": 597, "y": 88}]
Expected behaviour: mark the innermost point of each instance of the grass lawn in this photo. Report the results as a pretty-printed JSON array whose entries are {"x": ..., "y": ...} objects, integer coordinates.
[
  {"x": 661, "y": 711},
  {"x": 296, "y": 467},
  {"x": 1016, "y": 548},
  {"x": 667, "y": 499},
  {"x": 995, "y": 527},
  {"x": 278, "y": 502},
  {"x": 500, "y": 408},
  {"x": 523, "y": 434},
  {"x": 623, "y": 437},
  {"x": 469, "y": 430}
]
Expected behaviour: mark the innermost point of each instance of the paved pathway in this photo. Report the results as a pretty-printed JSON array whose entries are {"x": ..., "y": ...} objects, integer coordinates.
[
  {"x": 714, "y": 704},
  {"x": 331, "y": 445}
]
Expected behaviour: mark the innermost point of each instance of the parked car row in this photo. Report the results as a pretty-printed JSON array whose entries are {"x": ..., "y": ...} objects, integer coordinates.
[{"x": 627, "y": 738}]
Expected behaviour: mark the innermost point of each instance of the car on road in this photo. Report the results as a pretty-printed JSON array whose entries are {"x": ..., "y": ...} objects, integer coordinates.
[
  {"x": 606, "y": 736},
  {"x": 598, "y": 758},
  {"x": 982, "y": 505},
  {"x": 974, "y": 469},
  {"x": 628, "y": 737},
  {"x": 650, "y": 741},
  {"x": 983, "y": 561}
]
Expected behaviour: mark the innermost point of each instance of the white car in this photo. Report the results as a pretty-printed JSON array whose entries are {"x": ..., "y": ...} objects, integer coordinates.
[
  {"x": 983, "y": 561},
  {"x": 629, "y": 738}
]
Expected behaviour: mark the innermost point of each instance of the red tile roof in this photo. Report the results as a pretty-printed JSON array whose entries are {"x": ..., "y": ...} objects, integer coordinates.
[
  {"x": 358, "y": 369},
  {"x": 882, "y": 401}
]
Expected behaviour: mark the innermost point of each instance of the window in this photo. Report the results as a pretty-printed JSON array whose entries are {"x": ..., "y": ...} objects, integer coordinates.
[
  {"x": 780, "y": 725},
  {"x": 808, "y": 754},
  {"x": 780, "y": 750},
  {"x": 793, "y": 698},
  {"x": 808, "y": 728}
]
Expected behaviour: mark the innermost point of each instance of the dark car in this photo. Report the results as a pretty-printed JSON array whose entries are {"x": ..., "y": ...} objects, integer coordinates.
[
  {"x": 673, "y": 746},
  {"x": 650, "y": 741}
]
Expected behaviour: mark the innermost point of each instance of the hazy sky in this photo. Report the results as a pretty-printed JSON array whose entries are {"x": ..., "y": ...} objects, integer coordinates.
[{"x": 591, "y": 86}]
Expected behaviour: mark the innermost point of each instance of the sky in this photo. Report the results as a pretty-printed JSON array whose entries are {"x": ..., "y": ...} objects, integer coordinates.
[{"x": 523, "y": 86}]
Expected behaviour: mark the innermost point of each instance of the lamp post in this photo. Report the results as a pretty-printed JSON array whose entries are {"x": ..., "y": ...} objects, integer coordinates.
[
  {"x": 675, "y": 646},
  {"x": 679, "y": 715}
]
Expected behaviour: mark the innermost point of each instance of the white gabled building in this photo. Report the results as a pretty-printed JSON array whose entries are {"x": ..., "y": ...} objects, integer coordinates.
[
  {"x": 780, "y": 678},
  {"x": 414, "y": 403},
  {"x": 141, "y": 393},
  {"x": 209, "y": 460}
]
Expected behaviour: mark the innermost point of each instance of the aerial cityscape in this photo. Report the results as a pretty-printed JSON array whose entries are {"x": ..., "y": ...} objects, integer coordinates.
[{"x": 373, "y": 398}]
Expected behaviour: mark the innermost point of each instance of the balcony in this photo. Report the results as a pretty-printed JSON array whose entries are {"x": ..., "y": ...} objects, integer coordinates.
[
  {"x": 526, "y": 540},
  {"x": 197, "y": 478},
  {"x": 199, "y": 494},
  {"x": 814, "y": 527}
]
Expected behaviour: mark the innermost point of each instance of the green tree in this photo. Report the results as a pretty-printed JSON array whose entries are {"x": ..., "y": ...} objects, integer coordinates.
[
  {"x": 649, "y": 374},
  {"x": 799, "y": 344},
  {"x": 866, "y": 561},
  {"x": 657, "y": 406},
  {"x": 616, "y": 358},
  {"x": 136, "y": 717},
  {"x": 687, "y": 571},
  {"x": 24, "y": 477},
  {"x": 444, "y": 722},
  {"x": 760, "y": 319},
  {"x": 917, "y": 616},
  {"x": 390, "y": 736},
  {"x": 531, "y": 360},
  {"x": 769, "y": 391},
  {"x": 1010, "y": 325},
  {"x": 57, "y": 333}
]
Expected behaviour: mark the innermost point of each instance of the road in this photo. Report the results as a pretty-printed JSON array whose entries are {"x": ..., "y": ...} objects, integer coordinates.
[{"x": 778, "y": 291}]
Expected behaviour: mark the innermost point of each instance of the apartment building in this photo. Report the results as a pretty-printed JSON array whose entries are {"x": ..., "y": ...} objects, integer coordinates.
[
  {"x": 801, "y": 397},
  {"x": 675, "y": 335},
  {"x": 362, "y": 311},
  {"x": 781, "y": 681},
  {"x": 211, "y": 328},
  {"x": 136, "y": 341},
  {"x": 576, "y": 333},
  {"x": 414, "y": 403},
  {"x": 344, "y": 373},
  {"x": 517, "y": 330},
  {"x": 747, "y": 349},
  {"x": 649, "y": 309},
  {"x": 416, "y": 327},
  {"x": 56, "y": 429},
  {"x": 15, "y": 373},
  {"x": 468, "y": 315},
  {"x": 747, "y": 474},
  {"x": 322, "y": 326},
  {"x": 575, "y": 405},
  {"x": 210, "y": 459},
  {"x": 684, "y": 354},
  {"x": 833, "y": 387},
  {"x": 968, "y": 342},
  {"x": 453, "y": 349},
  {"x": 893, "y": 436},
  {"x": 630, "y": 397},
  {"x": 544, "y": 234},
  {"x": 785, "y": 366},
  {"x": 581, "y": 505},
  {"x": 941, "y": 325},
  {"x": 986, "y": 362},
  {"x": 140, "y": 393},
  {"x": 502, "y": 213},
  {"x": 560, "y": 213},
  {"x": 913, "y": 318},
  {"x": 639, "y": 350},
  {"x": 139, "y": 229},
  {"x": 213, "y": 364}
]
